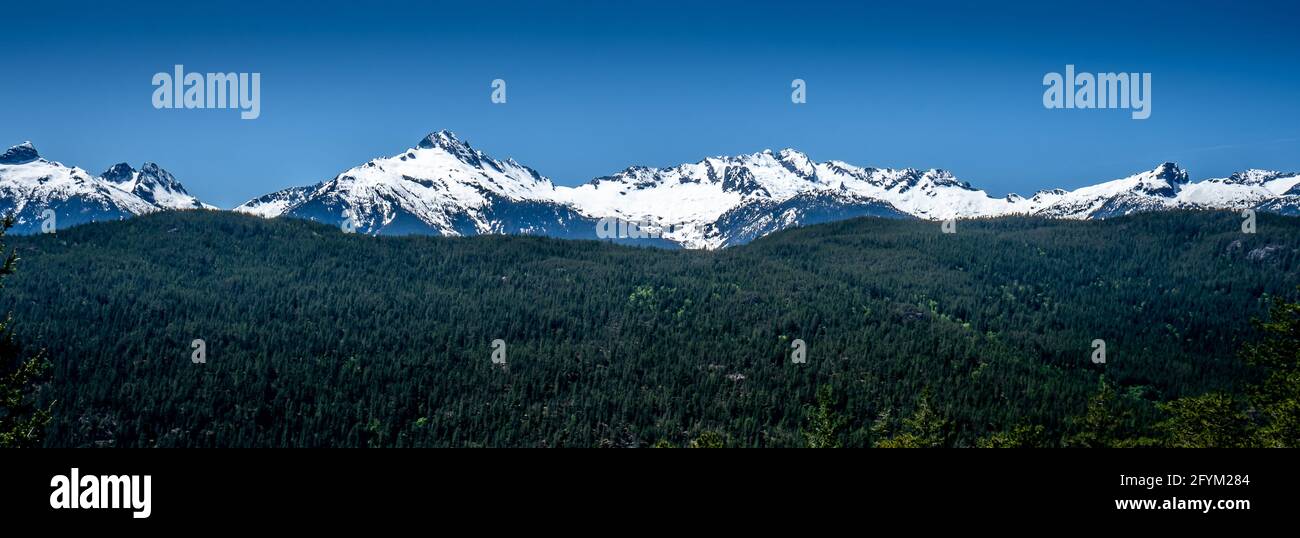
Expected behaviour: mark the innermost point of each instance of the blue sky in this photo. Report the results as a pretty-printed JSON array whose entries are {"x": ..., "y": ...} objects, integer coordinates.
[{"x": 594, "y": 87}]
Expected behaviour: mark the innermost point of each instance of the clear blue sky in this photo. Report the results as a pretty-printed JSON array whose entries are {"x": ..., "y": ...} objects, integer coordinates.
[{"x": 597, "y": 86}]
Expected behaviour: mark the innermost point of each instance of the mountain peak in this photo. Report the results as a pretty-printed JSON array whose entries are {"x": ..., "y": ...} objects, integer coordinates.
[
  {"x": 152, "y": 184},
  {"x": 119, "y": 173},
  {"x": 1255, "y": 176},
  {"x": 1164, "y": 180},
  {"x": 797, "y": 163},
  {"x": 442, "y": 139},
  {"x": 1170, "y": 172},
  {"x": 448, "y": 142},
  {"x": 151, "y": 173},
  {"x": 20, "y": 154}
]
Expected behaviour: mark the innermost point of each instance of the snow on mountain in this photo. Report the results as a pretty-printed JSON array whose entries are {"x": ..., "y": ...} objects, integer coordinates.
[
  {"x": 1241, "y": 190},
  {"x": 443, "y": 186},
  {"x": 1167, "y": 187},
  {"x": 275, "y": 204},
  {"x": 723, "y": 201},
  {"x": 152, "y": 184},
  {"x": 30, "y": 185}
]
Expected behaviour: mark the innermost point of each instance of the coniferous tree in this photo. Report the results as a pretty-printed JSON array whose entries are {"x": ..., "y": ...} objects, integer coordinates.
[
  {"x": 924, "y": 429},
  {"x": 22, "y": 421},
  {"x": 1268, "y": 415},
  {"x": 824, "y": 423},
  {"x": 1277, "y": 398}
]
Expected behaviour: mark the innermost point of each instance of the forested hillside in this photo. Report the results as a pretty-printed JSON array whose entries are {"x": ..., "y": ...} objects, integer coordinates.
[{"x": 913, "y": 337}]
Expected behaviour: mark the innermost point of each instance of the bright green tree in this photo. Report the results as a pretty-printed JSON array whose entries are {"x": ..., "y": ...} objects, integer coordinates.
[
  {"x": 924, "y": 429},
  {"x": 1269, "y": 413},
  {"x": 1276, "y": 401},
  {"x": 709, "y": 439},
  {"x": 1023, "y": 436},
  {"x": 824, "y": 423},
  {"x": 1213, "y": 420}
]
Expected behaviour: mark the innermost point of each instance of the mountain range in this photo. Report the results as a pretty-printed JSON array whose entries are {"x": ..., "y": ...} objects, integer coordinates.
[
  {"x": 443, "y": 186},
  {"x": 30, "y": 186}
]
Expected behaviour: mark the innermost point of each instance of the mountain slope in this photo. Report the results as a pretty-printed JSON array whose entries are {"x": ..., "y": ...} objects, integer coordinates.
[
  {"x": 441, "y": 186},
  {"x": 33, "y": 188},
  {"x": 322, "y": 338},
  {"x": 445, "y": 187}
]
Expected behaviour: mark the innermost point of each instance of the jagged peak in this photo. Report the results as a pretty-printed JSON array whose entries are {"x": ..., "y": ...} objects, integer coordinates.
[
  {"x": 797, "y": 163},
  {"x": 444, "y": 139},
  {"x": 1171, "y": 172},
  {"x": 1163, "y": 180},
  {"x": 447, "y": 141},
  {"x": 118, "y": 173},
  {"x": 1255, "y": 176},
  {"x": 153, "y": 168},
  {"x": 20, "y": 154},
  {"x": 159, "y": 175}
]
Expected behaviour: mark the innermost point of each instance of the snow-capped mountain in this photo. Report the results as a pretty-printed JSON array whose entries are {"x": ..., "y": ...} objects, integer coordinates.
[
  {"x": 1167, "y": 187},
  {"x": 31, "y": 185},
  {"x": 443, "y": 186},
  {"x": 152, "y": 184}
]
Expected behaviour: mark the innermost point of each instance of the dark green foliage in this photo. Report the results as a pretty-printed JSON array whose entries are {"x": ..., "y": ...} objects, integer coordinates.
[
  {"x": 22, "y": 422},
  {"x": 709, "y": 439},
  {"x": 1268, "y": 415},
  {"x": 1276, "y": 400},
  {"x": 1107, "y": 422},
  {"x": 1213, "y": 420},
  {"x": 318, "y": 338},
  {"x": 824, "y": 422},
  {"x": 1017, "y": 437},
  {"x": 924, "y": 429}
]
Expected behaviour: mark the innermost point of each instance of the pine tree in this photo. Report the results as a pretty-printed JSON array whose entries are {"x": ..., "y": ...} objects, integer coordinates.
[
  {"x": 1277, "y": 398},
  {"x": 1213, "y": 420},
  {"x": 1269, "y": 413},
  {"x": 709, "y": 439},
  {"x": 825, "y": 423},
  {"x": 1023, "y": 436},
  {"x": 924, "y": 429},
  {"x": 22, "y": 422}
]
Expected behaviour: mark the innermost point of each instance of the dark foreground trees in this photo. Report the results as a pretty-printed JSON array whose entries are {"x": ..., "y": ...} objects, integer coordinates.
[
  {"x": 22, "y": 420},
  {"x": 1267, "y": 414},
  {"x": 319, "y": 338}
]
